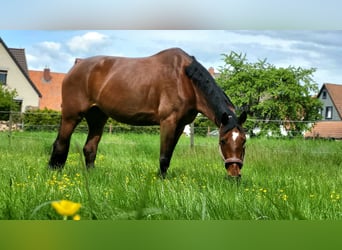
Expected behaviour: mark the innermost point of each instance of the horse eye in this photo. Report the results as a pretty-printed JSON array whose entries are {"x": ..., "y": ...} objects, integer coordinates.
[{"x": 222, "y": 142}]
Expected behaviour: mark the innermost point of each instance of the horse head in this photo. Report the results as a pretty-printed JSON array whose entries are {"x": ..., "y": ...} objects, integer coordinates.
[{"x": 232, "y": 140}]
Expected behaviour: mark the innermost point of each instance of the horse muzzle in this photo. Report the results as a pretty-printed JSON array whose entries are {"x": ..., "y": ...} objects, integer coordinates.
[{"x": 233, "y": 166}]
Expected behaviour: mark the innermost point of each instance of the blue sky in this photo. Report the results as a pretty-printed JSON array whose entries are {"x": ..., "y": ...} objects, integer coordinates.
[{"x": 58, "y": 49}]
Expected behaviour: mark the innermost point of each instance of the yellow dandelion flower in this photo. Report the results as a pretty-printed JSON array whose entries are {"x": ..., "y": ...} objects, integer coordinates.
[
  {"x": 65, "y": 207},
  {"x": 334, "y": 196},
  {"x": 284, "y": 197},
  {"x": 76, "y": 217}
]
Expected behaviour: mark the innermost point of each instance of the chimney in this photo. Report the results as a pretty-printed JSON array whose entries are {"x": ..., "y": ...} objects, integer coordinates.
[
  {"x": 46, "y": 75},
  {"x": 211, "y": 71}
]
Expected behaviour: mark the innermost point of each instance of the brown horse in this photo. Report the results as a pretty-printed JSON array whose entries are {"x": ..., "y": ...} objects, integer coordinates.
[{"x": 166, "y": 89}]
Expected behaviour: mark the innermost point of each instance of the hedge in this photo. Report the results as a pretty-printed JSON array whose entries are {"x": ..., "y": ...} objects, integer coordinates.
[{"x": 49, "y": 120}]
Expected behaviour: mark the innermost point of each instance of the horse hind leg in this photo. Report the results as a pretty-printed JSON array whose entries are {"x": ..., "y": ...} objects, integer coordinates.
[
  {"x": 62, "y": 143},
  {"x": 96, "y": 120}
]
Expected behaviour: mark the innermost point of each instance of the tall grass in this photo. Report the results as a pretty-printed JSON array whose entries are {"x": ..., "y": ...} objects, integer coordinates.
[{"x": 282, "y": 179}]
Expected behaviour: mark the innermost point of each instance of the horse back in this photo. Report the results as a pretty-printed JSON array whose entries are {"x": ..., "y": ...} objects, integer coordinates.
[{"x": 131, "y": 90}]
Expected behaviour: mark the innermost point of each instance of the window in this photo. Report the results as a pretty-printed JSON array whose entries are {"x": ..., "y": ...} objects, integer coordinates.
[
  {"x": 328, "y": 112},
  {"x": 3, "y": 77},
  {"x": 18, "y": 104},
  {"x": 324, "y": 95},
  {"x": 320, "y": 111}
]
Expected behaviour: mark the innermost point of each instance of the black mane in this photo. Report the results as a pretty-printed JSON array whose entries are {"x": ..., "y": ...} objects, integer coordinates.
[{"x": 215, "y": 96}]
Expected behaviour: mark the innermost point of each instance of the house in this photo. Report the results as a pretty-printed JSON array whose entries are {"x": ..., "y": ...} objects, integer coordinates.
[
  {"x": 14, "y": 75},
  {"x": 50, "y": 85},
  {"x": 331, "y": 124},
  {"x": 212, "y": 72}
]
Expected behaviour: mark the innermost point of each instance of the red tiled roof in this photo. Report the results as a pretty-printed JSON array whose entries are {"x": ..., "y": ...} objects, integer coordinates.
[
  {"x": 335, "y": 93},
  {"x": 326, "y": 129},
  {"x": 51, "y": 90}
]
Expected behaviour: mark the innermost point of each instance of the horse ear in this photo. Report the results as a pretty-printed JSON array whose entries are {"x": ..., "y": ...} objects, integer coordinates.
[
  {"x": 242, "y": 118},
  {"x": 224, "y": 119}
]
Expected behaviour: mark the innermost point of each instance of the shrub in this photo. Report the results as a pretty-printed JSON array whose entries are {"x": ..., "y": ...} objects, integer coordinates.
[
  {"x": 41, "y": 120},
  {"x": 49, "y": 120}
]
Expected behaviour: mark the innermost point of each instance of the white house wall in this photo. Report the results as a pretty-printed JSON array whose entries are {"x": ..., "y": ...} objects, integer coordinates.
[{"x": 16, "y": 80}]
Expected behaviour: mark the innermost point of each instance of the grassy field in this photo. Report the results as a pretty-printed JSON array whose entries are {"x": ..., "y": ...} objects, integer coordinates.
[{"x": 282, "y": 179}]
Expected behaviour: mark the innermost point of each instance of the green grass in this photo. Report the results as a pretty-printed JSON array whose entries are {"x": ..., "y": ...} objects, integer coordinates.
[{"x": 282, "y": 179}]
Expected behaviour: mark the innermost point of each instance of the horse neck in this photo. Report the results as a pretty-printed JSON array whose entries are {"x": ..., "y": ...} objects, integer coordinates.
[
  {"x": 211, "y": 100},
  {"x": 213, "y": 109}
]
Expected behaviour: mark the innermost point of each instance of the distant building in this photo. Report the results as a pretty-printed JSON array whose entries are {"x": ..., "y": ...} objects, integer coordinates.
[
  {"x": 14, "y": 75},
  {"x": 50, "y": 85},
  {"x": 213, "y": 73},
  {"x": 331, "y": 124}
]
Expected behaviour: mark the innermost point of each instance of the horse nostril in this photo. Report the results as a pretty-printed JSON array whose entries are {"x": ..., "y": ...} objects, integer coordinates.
[{"x": 226, "y": 165}]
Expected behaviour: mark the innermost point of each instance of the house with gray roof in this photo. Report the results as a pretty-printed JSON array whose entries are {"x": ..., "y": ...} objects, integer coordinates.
[
  {"x": 14, "y": 75},
  {"x": 331, "y": 124}
]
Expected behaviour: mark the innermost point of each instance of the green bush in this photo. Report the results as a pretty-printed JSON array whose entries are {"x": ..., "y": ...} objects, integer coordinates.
[
  {"x": 203, "y": 125},
  {"x": 114, "y": 126},
  {"x": 41, "y": 120},
  {"x": 7, "y": 103},
  {"x": 49, "y": 120}
]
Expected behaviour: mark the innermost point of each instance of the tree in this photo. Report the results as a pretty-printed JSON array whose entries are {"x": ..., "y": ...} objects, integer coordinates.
[
  {"x": 7, "y": 102},
  {"x": 272, "y": 96}
]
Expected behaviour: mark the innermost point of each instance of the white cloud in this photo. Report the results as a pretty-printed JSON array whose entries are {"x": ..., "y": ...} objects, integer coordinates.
[
  {"x": 31, "y": 59},
  {"x": 51, "y": 45},
  {"x": 90, "y": 40},
  {"x": 306, "y": 49}
]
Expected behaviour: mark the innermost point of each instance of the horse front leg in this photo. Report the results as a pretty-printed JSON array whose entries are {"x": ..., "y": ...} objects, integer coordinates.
[
  {"x": 62, "y": 143},
  {"x": 169, "y": 134}
]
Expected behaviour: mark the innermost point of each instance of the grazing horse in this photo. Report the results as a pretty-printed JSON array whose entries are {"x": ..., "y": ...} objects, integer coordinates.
[{"x": 166, "y": 89}]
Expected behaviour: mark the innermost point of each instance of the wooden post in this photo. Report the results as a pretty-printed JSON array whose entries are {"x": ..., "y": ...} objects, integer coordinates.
[
  {"x": 192, "y": 135},
  {"x": 110, "y": 128},
  {"x": 10, "y": 128}
]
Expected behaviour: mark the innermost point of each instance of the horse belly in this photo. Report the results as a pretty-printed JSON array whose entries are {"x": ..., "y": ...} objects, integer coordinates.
[
  {"x": 130, "y": 107},
  {"x": 138, "y": 119}
]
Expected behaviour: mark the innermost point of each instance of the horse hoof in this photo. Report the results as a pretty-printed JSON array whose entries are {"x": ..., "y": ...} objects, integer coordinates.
[
  {"x": 55, "y": 167},
  {"x": 162, "y": 175}
]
